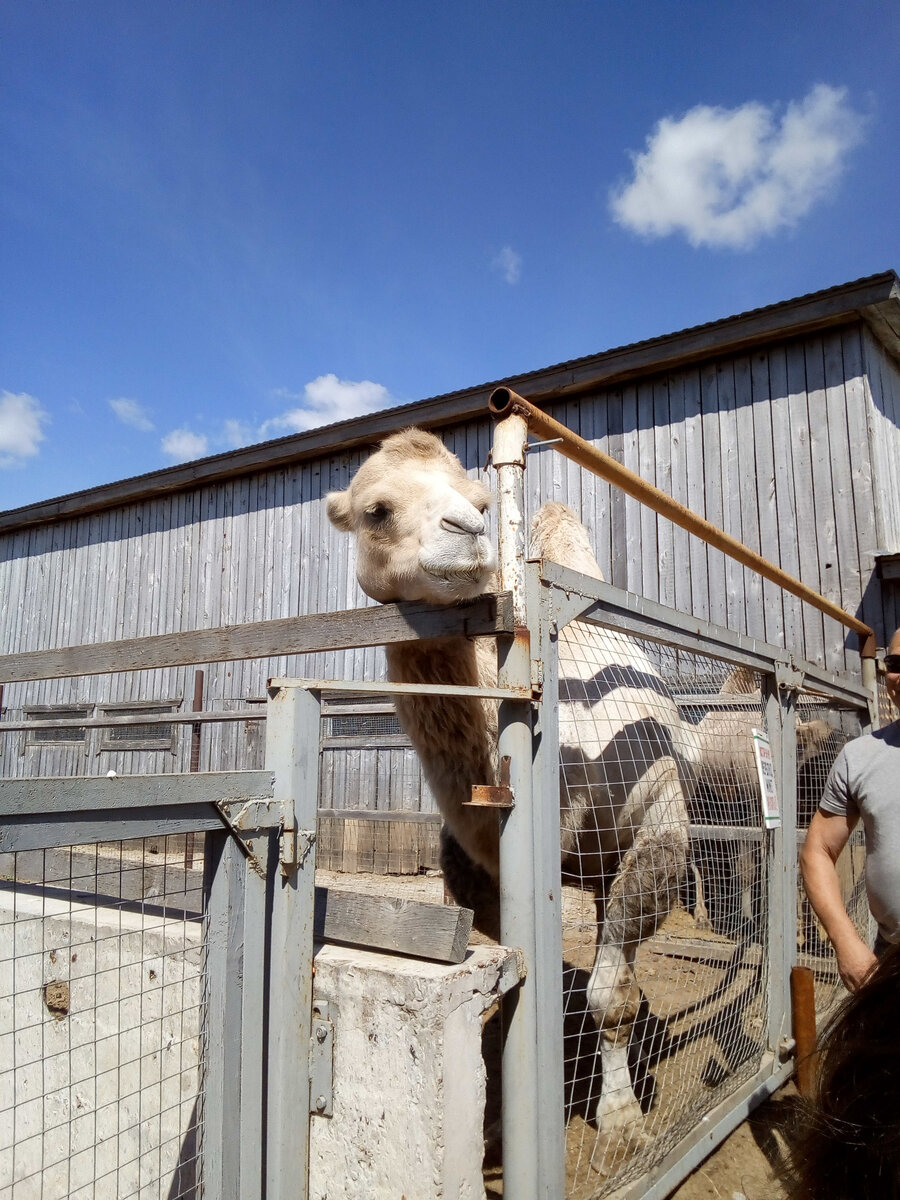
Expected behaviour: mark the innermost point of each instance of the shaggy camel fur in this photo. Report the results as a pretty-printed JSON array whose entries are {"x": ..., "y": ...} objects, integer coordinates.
[{"x": 625, "y": 755}]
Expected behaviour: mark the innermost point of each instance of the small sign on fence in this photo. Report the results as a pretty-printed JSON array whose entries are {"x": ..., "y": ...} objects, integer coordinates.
[{"x": 765, "y": 767}]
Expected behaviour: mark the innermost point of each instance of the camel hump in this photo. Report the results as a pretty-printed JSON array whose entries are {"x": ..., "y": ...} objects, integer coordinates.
[{"x": 557, "y": 534}]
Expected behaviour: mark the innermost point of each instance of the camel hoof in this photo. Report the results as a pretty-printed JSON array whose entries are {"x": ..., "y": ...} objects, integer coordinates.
[{"x": 621, "y": 1116}]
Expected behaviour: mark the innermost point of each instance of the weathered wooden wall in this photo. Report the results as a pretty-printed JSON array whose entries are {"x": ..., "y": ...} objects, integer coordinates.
[{"x": 794, "y": 448}]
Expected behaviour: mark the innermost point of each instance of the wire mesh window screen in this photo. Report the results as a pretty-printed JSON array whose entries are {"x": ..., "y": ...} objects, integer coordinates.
[
  {"x": 139, "y": 737},
  {"x": 659, "y": 777},
  {"x": 100, "y": 1022},
  {"x": 66, "y": 736}
]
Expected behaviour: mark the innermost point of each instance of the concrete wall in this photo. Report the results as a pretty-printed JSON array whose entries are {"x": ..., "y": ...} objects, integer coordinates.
[{"x": 99, "y": 1050}]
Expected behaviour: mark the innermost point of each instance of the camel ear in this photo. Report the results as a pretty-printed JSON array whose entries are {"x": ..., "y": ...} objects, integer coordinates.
[{"x": 337, "y": 505}]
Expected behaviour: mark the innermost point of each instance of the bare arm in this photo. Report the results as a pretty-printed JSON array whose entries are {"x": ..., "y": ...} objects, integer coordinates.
[{"x": 827, "y": 836}]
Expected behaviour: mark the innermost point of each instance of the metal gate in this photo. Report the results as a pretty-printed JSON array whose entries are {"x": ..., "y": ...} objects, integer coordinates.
[
  {"x": 713, "y": 1035},
  {"x": 154, "y": 1020}
]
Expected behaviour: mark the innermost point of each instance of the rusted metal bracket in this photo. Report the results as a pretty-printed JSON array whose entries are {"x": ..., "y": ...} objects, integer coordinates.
[
  {"x": 499, "y": 795},
  {"x": 788, "y": 678},
  {"x": 245, "y": 847},
  {"x": 294, "y": 848}
]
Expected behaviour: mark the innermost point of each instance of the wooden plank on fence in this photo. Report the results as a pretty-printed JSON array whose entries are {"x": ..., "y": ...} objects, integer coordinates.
[
  {"x": 435, "y": 931},
  {"x": 127, "y": 793},
  {"x": 265, "y": 639}
]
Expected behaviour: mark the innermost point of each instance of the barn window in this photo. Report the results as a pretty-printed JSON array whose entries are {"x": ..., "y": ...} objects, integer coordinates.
[
  {"x": 137, "y": 735},
  {"x": 54, "y": 735}
]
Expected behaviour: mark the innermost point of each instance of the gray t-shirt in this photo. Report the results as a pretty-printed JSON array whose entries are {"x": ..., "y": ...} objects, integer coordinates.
[{"x": 865, "y": 782}]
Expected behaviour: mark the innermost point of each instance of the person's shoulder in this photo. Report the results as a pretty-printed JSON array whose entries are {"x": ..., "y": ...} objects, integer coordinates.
[{"x": 888, "y": 735}]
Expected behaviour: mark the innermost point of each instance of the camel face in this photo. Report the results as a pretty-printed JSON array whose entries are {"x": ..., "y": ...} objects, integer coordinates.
[{"x": 419, "y": 523}]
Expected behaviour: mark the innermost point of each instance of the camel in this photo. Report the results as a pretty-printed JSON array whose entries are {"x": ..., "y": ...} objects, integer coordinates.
[
  {"x": 626, "y": 758},
  {"x": 727, "y": 793}
]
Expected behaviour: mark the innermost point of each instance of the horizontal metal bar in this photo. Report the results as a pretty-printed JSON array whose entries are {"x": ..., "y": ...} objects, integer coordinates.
[
  {"x": 91, "y": 793},
  {"x": 484, "y": 617},
  {"x": 727, "y": 833},
  {"x": 403, "y": 689},
  {"x": 51, "y": 830},
  {"x": 194, "y": 718}
]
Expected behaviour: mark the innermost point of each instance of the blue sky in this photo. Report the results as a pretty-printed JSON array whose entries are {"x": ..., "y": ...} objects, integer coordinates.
[{"x": 222, "y": 222}]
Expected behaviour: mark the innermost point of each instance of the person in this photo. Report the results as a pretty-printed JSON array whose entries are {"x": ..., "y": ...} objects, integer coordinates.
[
  {"x": 845, "y": 1142},
  {"x": 864, "y": 783}
]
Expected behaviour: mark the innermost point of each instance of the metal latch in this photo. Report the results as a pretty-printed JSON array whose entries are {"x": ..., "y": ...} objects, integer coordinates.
[
  {"x": 498, "y": 795},
  {"x": 294, "y": 847},
  {"x": 321, "y": 1061}
]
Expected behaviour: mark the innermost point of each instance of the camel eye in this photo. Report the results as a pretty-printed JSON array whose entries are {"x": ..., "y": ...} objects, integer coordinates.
[{"x": 378, "y": 513}]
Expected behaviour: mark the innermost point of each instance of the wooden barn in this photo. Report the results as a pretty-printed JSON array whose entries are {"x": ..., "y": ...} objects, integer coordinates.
[{"x": 781, "y": 426}]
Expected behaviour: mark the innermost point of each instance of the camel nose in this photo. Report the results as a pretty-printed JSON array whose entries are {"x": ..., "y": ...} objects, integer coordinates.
[{"x": 463, "y": 522}]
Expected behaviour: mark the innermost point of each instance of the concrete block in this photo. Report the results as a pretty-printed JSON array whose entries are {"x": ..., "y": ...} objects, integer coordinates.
[
  {"x": 99, "y": 1048},
  {"x": 409, "y": 1079}
]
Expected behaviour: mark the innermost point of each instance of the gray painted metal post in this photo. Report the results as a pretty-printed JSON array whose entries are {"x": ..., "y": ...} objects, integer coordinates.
[
  {"x": 532, "y": 1163},
  {"x": 292, "y": 752},
  {"x": 223, "y": 1097}
]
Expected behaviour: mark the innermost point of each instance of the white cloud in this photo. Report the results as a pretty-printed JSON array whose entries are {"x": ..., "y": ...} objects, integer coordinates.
[
  {"x": 509, "y": 264},
  {"x": 131, "y": 413},
  {"x": 727, "y": 177},
  {"x": 182, "y": 445},
  {"x": 326, "y": 400},
  {"x": 237, "y": 433},
  {"x": 21, "y": 428}
]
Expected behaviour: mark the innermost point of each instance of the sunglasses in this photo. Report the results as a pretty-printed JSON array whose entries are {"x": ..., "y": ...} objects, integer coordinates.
[{"x": 892, "y": 663}]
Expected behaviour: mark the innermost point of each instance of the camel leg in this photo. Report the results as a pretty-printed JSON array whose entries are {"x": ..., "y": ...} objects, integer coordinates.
[{"x": 640, "y": 898}]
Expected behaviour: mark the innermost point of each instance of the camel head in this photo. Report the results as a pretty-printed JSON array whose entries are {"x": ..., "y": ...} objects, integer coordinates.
[{"x": 419, "y": 523}]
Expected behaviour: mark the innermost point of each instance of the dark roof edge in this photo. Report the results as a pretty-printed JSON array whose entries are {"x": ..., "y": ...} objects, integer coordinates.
[{"x": 874, "y": 299}]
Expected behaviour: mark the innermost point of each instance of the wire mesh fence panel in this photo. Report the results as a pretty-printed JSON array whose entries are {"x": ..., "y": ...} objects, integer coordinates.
[
  {"x": 814, "y": 950},
  {"x": 100, "y": 1022},
  {"x": 665, "y": 914}
]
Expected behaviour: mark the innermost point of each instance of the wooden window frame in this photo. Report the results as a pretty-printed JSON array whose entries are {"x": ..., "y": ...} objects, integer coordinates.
[
  {"x": 166, "y": 740},
  {"x": 73, "y": 736}
]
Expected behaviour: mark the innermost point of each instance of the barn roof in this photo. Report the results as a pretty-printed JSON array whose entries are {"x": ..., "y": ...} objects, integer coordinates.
[{"x": 874, "y": 299}]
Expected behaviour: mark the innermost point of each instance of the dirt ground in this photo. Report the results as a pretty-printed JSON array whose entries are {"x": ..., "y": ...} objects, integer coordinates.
[{"x": 745, "y": 1166}]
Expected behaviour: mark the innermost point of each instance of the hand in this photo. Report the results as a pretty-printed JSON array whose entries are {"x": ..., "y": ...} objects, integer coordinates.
[{"x": 854, "y": 962}]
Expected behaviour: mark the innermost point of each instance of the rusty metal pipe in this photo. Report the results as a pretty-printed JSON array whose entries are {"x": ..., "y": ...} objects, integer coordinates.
[
  {"x": 504, "y": 401},
  {"x": 803, "y": 1022}
]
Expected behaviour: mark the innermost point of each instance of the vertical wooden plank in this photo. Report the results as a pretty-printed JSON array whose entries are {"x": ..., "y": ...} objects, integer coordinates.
[
  {"x": 785, "y": 501},
  {"x": 664, "y": 448},
  {"x": 648, "y": 561},
  {"x": 746, "y": 488},
  {"x": 712, "y": 478},
  {"x": 769, "y": 540},
  {"x": 849, "y": 582},
  {"x": 813, "y": 635},
  {"x": 681, "y": 540},
  {"x": 381, "y": 847},
  {"x": 868, "y": 513},
  {"x": 823, "y": 499},
  {"x": 698, "y": 567},
  {"x": 612, "y": 499},
  {"x": 731, "y": 497}
]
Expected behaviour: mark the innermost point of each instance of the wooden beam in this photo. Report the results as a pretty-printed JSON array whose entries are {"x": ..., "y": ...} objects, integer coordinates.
[
  {"x": 486, "y": 616},
  {"x": 436, "y": 931},
  {"x": 127, "y": 793}
]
